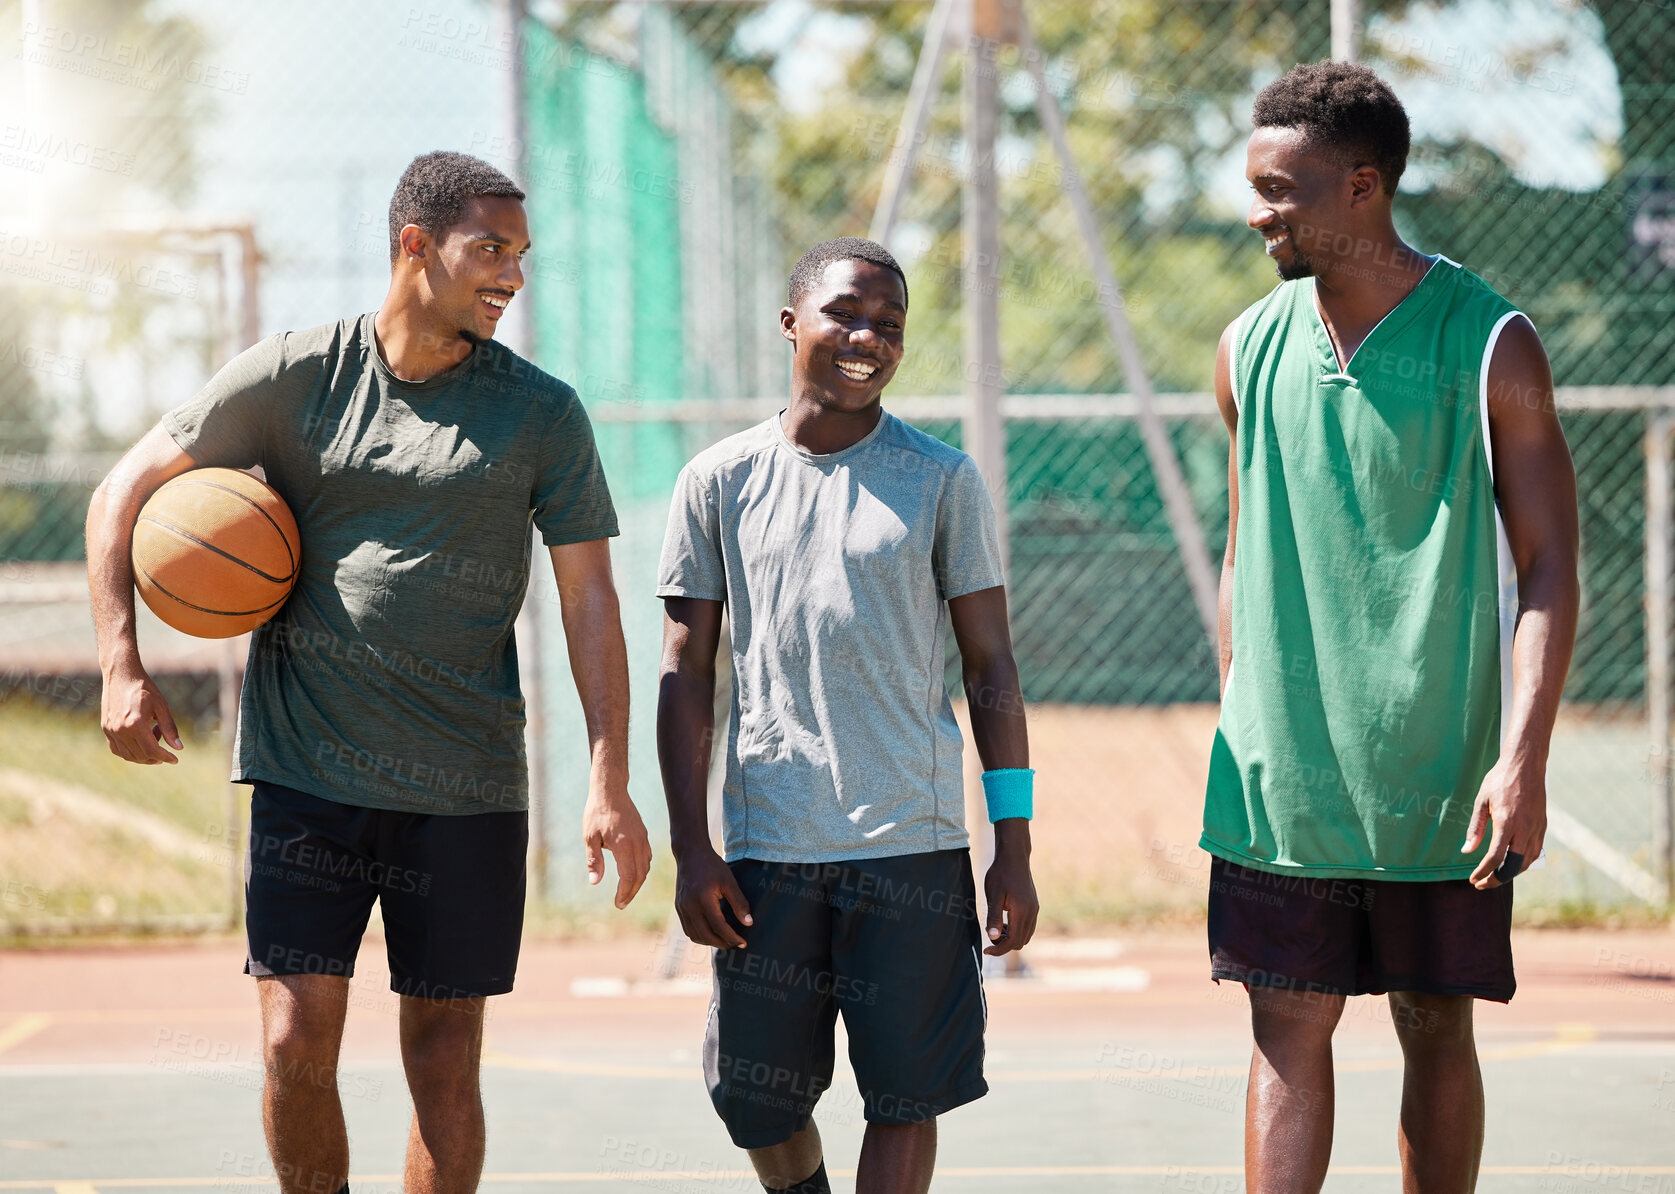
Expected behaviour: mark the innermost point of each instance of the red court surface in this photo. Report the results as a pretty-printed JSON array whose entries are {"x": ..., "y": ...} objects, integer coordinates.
[{"x": 1118, "y": 1065}]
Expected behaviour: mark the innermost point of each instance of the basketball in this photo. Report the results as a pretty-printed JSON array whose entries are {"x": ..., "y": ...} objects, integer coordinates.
[{"x": 215, "y": 552}]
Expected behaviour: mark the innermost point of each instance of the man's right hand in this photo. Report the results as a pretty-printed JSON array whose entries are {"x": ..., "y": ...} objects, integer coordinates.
[
  {"x": 702, "y": 882},
  {"x": 136, "y": 718}
]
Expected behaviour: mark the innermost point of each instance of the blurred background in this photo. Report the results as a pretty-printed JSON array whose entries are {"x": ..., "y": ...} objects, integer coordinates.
[{"x": 178, "y": 179}]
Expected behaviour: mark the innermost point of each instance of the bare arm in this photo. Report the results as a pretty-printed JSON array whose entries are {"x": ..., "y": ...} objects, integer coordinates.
[
  {"x": 685, "y": 738},
  {"x": 1001, "y": 734},
  {"x": 1230, "y": 416},
  {"x": 599, "y": 662},
  {"x": 1535, "y": 489},
  {"x": 135, "y": 718}
]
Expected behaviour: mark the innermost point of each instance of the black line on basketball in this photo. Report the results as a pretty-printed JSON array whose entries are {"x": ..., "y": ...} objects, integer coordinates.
[
  {"x": 254, "y": 505},
  {"x": 220, "y": 613},
  {"x": 186, "y": 534}
]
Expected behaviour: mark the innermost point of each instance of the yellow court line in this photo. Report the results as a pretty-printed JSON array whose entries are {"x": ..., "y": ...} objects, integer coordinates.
[
  {"x": 91, "y": 1185},
  {"x": 22, "y": 1028},
  {"x": 151, "y": 1015}
]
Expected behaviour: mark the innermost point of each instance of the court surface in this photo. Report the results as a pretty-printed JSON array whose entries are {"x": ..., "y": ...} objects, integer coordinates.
[{"x": 1118, "y": 1067}]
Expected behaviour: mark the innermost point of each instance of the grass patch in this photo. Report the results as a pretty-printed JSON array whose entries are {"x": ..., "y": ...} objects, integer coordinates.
[{"x": 70, "y": 747}]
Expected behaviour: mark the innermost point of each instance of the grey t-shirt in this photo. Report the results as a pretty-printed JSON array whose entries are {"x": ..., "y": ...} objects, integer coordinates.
[
  {"x": 834, "y": 570},
  {"x": 389, "y": 679}
]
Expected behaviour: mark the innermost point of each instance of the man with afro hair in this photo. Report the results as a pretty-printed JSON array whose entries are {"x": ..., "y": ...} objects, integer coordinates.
[{"x": 1398, "y": 606}]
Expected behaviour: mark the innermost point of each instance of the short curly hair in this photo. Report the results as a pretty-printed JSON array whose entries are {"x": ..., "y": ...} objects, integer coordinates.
[
  {"x": 435, "y": 188},
  {"x": 811, "y": 266},
  {"x": 1344, "y": 109}
]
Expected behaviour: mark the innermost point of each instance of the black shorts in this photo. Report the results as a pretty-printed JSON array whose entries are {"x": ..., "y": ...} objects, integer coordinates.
[
  {"x": 451, "y": 887},
  {"x": 1360, "y": 936},
  {"x": 892, "y": 944}
]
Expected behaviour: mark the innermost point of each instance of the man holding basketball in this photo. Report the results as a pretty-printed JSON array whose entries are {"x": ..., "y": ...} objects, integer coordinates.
[
  {"x": 834, "y": 535},
  {"x": 1396, "y": 625},
  {"x": 381, "y": 723}
]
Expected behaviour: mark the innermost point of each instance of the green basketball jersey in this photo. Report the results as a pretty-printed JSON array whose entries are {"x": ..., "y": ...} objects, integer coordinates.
[{"x": 1373, "y": 593}]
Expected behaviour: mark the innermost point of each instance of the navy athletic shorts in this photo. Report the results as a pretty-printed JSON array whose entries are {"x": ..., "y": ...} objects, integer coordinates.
[
  {"x": 1359, "y": 936},
  {"x": 890, "y": 943},
  {"x": 451, "y": 890}
]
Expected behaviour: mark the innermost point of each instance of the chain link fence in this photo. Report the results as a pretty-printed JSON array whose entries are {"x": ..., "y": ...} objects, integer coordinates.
[{"x": 680, "y": 156}]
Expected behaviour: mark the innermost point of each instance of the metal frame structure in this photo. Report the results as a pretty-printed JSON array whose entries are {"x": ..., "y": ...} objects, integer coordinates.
[
  {"x": 230, "y": 244},
  {"x": 989, "y": 24}
]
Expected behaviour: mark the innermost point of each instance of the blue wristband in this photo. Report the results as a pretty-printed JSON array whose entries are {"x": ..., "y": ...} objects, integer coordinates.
[{"x": 1009, "y": 792}]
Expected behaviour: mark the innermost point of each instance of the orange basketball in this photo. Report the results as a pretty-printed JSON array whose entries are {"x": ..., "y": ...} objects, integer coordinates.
[{"x": 215, "y": 552}]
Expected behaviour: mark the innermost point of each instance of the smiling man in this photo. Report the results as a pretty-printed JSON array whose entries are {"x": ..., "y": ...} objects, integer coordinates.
[
  {"x": 1378, "y": 775},
  {"x": 834, "y": 536},
  {"x": 381, "y": 723}
]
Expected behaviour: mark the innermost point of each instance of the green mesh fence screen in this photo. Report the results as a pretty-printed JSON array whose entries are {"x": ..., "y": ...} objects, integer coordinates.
[{"x": 680, "y": 156}]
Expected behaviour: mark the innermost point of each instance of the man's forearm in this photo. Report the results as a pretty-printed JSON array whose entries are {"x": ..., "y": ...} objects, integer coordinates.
[
  {"x": 999, "y": 728},
  {"x": 1000, "y": 731},
  {"x": 599, "y": 662},
  {"x": 110, "y": 574},
  {"x": 1541, "y": 649},
  {"x": 685, "y": 737}
]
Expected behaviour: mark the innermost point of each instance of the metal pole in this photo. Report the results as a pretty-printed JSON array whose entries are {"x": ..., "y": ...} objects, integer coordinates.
[
  {"x": 250, "y": 269},
  {"x": 517, "y": 328},
  {"x": 35, "y": 109},
  {"x": 1658, "y": 600},
  {"x": 906, "y": 147},
  {"x": 227, "y": 684},
  {"x": 984, "y": 433},
  {"x": 230, "y": 677},
  {"x": 518, "y": 332},
  {"x": 1346, "y": 30},
  {"x": 350, "y": 248},
  {"x": 1171, "y": 481}
]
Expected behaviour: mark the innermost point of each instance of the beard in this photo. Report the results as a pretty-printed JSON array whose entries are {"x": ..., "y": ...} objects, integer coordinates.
[{"x": 1301, "y": 265}]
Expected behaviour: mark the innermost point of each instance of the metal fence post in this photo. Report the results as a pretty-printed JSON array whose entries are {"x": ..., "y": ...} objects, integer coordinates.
[
  {"x": 985, "y": 433},
  {"x": 1346, "y": 30},
  {"x": 1658, "y": 598}
]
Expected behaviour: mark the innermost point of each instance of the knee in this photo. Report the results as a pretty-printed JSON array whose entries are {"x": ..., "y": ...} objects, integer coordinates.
[
  {"x": 906, "y": 1131},
  {"x": 299, "y": 1055},
  {"x": 440, "y": 1051},
  {"x": 302, "y": 1019},
  {"x": 1293, "y": 1019},
  {"x": 1431, "y": 1023}
]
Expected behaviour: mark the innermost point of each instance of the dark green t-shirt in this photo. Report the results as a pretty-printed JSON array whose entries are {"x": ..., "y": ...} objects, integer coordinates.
[{"x": 389, "y": 679}]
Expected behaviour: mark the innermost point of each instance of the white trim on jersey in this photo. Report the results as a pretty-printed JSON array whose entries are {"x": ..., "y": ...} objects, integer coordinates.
[
  {"x": 1233, "y": 361},
  {"x": 1506, "y": 571}
]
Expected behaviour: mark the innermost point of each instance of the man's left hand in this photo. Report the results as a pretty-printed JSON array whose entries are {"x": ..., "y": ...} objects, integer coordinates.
[
  {"x": 1513, "y": 801},
  {"x": 1010, "y": 890},
  {"x": 611, "y": 822}
]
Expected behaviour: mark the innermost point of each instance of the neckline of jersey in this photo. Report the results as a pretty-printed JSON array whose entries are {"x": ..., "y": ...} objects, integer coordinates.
[
  {"x": 369, "y": 336},
  {"x": 827, "y": 457},
  {"x": 1406, "y": 308}
]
